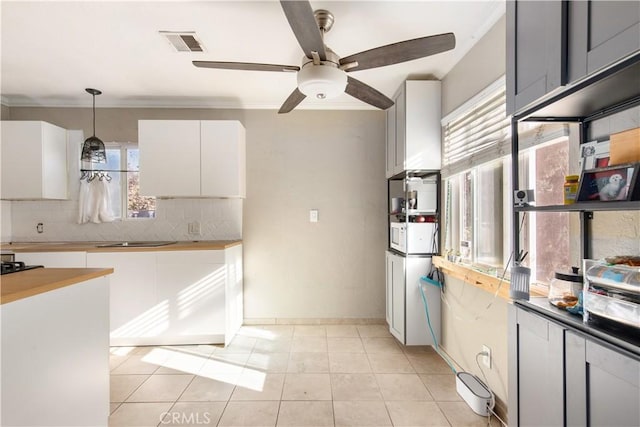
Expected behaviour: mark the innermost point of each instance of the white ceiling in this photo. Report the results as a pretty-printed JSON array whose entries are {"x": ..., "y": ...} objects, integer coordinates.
[{"x": 52, "y": 50}]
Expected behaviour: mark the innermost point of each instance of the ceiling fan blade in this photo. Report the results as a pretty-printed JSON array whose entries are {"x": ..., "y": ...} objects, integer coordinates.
[
  {"x": 304, "y": 26},
  {"x": 292, "y": 101},
  {"x": 400, "y": 52},
  {"x": 245, "y": 66},
  {"x": 366, "y": 93}
]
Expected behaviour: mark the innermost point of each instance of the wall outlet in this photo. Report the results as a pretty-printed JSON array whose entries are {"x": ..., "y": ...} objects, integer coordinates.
[
  {"x": 194, "y": 228},
  {"x": 486, "y": 358},
  {"x": 313, "y": 215}
]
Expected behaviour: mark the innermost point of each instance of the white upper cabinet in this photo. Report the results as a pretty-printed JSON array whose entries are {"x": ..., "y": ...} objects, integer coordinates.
[
  {"x": 34, "y": 161},
  {"x": 413, "y": 128},
  {"x": 222, "y": 159},
  {"x": 169, "y": 157},
  {"x": 192, "y": 158}
]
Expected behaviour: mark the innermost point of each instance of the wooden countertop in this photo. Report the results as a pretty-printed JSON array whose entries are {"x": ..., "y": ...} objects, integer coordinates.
[
  {"x": 492, "y": 284},
  {"x": 92, "y": 246},
  {"x": 17, "y": 286}
]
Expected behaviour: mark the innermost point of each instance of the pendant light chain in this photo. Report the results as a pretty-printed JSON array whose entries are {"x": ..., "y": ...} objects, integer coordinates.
[{"x": 94, "y": 114}]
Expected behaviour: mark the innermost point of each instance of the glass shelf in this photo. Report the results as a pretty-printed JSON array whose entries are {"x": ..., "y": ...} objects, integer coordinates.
[{"x": 583, "y": 207}]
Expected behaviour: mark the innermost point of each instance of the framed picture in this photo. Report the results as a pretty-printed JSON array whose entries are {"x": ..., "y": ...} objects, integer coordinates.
[
  {"x": 609, "y": 184},
  {"x": 594, "y": 154}
]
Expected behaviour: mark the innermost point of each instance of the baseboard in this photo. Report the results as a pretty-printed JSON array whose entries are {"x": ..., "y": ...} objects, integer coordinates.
[{"x": 312, "y": 321}]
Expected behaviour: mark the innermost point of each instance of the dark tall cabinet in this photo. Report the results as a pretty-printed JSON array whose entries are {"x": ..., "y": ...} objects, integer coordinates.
[
  {"x": 600, "y": 33},
  {"x": 536, "y": 52},
  {"x": 557, "y": 42}
]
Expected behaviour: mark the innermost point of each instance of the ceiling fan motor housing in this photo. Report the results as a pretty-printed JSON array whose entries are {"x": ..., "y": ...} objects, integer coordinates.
[{"x": 324, "y": 80}]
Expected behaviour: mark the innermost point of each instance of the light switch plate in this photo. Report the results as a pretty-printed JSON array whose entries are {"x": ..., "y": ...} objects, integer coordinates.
[{"x": 313, "y": 215}]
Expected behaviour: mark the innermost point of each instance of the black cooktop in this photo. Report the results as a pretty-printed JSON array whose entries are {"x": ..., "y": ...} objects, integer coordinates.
[{"x": 15, "y": 267}]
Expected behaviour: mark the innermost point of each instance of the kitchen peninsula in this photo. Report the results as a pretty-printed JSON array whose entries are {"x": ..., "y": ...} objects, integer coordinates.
[{"x": 55, "y": 347}]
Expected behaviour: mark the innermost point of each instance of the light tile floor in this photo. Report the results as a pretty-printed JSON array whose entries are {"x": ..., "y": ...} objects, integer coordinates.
[{"x": 321, "y": 375}]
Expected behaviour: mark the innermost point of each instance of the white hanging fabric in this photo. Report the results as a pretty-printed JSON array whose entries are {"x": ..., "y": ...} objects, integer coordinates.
[{"x": 94, "y": 202}]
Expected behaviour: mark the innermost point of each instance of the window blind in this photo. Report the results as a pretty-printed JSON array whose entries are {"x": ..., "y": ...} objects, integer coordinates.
[{"x": 477, "y": 132}]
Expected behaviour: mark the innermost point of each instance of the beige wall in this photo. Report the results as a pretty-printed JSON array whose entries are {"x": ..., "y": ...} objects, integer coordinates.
[
  {"x": 327, "y": 160},
  {"x": 481, "y": 66},
  {"x": 474, "y": 317}
]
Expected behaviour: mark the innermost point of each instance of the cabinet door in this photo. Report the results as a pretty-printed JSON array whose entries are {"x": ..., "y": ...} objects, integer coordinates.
[
  {"x": 54, "y": 162},
  {"x": 536, "y": 51},
  {"x": 540, "y": 376},
  {"x": 422, "y": 125},
  {"x": 395, "y": 296},
  {"x": 234, "y": 308},
  {"x": 222, "y": 161},
  {"x": 416, "y": 325},
  {"x": 135, "y": 314},
  {"x": 34, "y": 160},
  {"x": 600, "y": 33},
  {"x": 603, "y": 385},
  {"x": 54, "y": 259},
  {"x": 169, "y": 157},
  {"x": 391, "y": 141},
  {"x": 389, "y": 288},
  {"x": 191, "y": 289},
  {"x": 401, "y": 131}
]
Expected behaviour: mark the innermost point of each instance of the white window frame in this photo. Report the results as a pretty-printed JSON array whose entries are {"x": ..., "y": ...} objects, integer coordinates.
[
  {"x": 481, "y": 154},
  {"x": 123, "y": 147}
]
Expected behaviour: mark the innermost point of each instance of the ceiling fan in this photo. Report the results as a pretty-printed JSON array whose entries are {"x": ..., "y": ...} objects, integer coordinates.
[{"x": 323, "y": 74}]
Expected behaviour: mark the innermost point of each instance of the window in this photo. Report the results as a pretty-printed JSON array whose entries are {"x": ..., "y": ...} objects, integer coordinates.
[
  {"x": 474, "y": 212},
  {"x": 476, "y": 138},
  {"x": 545, "y": 233},
  {"x": 477, "y": 181},
  {"x": 126, "y": 201}
]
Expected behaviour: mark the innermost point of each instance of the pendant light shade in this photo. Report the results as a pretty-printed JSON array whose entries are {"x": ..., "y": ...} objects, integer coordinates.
[{"x": 93, "y": 148}]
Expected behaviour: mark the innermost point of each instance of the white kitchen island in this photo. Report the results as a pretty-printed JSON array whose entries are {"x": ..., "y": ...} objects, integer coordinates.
[{"x": 55, "y": 347}]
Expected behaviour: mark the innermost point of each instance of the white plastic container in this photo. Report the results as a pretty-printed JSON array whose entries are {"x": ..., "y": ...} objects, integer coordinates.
[{"x": 474, "y": 392}]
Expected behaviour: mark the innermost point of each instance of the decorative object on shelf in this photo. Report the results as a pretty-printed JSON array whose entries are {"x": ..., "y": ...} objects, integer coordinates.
[
  {"x": 520, "y": 276},
  {"x": 93, "y": 148},
  {"x": 397, "y": 205},
  {"x": 523, "y": 197},
  {"x": 565, "y": 289},
  {"x": 570, "y": 189},
  {"x": 625, "y": 147},
  {"x": 594, "y": 154},
  {"x": 610, "y": 183}
]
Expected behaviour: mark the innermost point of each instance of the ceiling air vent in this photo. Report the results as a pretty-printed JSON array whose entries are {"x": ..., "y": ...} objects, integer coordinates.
[{"x": 184, "y": 41}]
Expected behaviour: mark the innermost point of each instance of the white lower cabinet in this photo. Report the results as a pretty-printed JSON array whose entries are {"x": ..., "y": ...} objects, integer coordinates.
[
  {"x": 135, "y": 314},
  {"x": 54, "y": 259},
  {"x": 190, "y": 288},
  {"x": 405, "y": 311},
  {"x": 174, "y": 297}
]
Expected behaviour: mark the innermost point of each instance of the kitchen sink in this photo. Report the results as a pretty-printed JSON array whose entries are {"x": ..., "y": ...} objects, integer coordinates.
[{"x": 135, "y": 244}]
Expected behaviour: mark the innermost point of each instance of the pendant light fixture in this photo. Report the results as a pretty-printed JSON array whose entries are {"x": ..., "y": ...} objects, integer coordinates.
[{"x": 93, "y": 148}]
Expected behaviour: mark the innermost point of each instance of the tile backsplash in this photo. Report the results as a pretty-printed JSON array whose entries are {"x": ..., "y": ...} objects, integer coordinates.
[{"x": 220, "y": 219}]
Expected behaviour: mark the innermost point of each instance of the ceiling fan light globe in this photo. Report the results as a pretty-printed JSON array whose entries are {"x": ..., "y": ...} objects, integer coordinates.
[{"x": 321, "y": 81}]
